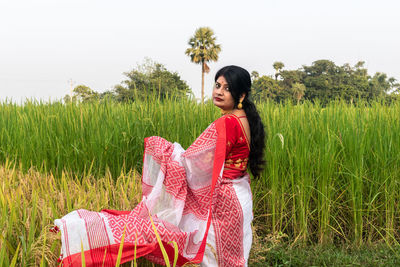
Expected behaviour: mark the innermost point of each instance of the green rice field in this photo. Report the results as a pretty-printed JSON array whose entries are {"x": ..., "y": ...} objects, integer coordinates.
[{"x": 331, "y": 178}]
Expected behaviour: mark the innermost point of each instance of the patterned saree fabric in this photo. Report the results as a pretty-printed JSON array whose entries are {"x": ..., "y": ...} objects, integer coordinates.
[{"x": 189, "y": 201}]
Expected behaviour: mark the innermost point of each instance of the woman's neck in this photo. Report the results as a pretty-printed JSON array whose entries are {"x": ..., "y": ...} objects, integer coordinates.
[{"x": 237, "y": 112}]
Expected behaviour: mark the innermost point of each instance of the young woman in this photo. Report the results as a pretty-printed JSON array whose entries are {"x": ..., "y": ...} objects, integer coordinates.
[{"x": 199, "y": 200}]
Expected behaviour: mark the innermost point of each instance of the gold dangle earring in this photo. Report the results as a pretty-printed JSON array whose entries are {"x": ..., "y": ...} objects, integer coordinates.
[{"x": 240, "y": 106}]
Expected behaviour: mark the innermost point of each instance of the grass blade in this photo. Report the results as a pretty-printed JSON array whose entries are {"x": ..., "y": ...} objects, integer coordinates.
[
  {"x": 163, "y": 251},
  {"x": 83, "y": 255},
  {"x": 14, "y": 260},
  {"x": 120, "y": 248}
]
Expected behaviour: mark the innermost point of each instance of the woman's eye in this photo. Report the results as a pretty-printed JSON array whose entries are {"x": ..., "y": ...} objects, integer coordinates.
[{"x": 227, "y": 88}]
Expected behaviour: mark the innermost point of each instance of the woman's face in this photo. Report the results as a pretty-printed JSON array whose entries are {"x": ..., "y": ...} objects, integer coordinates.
[{"x": 222, "y": 97}]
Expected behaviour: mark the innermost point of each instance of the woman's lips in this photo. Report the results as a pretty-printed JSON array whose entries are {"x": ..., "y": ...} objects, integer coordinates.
[{"x": 217, "y": 99}]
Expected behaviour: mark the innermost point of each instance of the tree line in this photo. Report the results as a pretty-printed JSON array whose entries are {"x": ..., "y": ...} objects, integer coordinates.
[
  {"x": 148, "y": 79},
  {"x": 322, "y": 81}
]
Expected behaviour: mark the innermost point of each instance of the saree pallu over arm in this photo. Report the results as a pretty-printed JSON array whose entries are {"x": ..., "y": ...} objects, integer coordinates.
[{"x": 180, "y": 190}]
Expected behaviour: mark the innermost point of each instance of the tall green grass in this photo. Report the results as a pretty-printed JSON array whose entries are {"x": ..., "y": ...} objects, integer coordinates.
[
  {"x": 332, "y": 173},
  {"x": 94, "y": 138}
]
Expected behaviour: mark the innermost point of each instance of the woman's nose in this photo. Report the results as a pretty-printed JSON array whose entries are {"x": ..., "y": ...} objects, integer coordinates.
[{"x": 218, "y": 91}]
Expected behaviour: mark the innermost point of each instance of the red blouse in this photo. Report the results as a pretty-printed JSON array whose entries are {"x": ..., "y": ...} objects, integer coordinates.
[{"x": 237, "y": 148}]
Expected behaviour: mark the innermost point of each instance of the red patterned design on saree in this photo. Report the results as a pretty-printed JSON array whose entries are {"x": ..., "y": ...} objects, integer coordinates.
[
  {"x": 197, "y": 202},
  {"x": 205, "y": 141},
  {"x": 160, "y": 149},
  {"x": 227, "y": 220},
  {"x": 142, "y": 228},
  {"x": 176, "y": 185},
  {"x": 97, "y": 236}
]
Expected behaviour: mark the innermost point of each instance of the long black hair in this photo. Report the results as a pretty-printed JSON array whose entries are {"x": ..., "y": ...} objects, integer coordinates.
[{"x": 239, "y": 83}]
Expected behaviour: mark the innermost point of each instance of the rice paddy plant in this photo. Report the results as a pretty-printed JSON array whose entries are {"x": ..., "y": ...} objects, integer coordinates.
[
  {"x": 29, "y": 203},
  {"x": 95, "y": 137},
  {"x": 332, "y": 173}
]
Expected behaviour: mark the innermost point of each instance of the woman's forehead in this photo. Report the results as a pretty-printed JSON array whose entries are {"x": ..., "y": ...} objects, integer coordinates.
[{"x": 221, "y": 80}]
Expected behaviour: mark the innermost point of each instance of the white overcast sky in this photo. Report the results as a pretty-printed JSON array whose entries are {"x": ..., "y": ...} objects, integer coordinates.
[{"x": 45, "y": 43}]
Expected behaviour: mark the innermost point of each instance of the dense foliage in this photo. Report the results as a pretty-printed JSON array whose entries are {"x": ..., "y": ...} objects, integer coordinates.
[
  {"x": 151, "y": 78},
  {"x": 324, "y": 81},
  {"x": 148, "y": 79}
]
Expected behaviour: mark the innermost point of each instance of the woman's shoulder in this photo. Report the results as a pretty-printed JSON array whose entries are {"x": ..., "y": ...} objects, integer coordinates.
[
  {"x": 232, "y": 119},
  {"x": 231, "y": 122}
]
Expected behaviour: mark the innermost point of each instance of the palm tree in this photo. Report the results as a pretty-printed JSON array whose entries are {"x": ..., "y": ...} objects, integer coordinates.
[
  {"x": 298, "y": 90},
  {"x": 202, "y": 50},
  {"x": 277, "y": 66}
]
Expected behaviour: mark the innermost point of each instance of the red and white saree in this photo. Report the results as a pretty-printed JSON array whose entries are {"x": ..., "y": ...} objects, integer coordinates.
[{"x": 190, "y": 202}]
